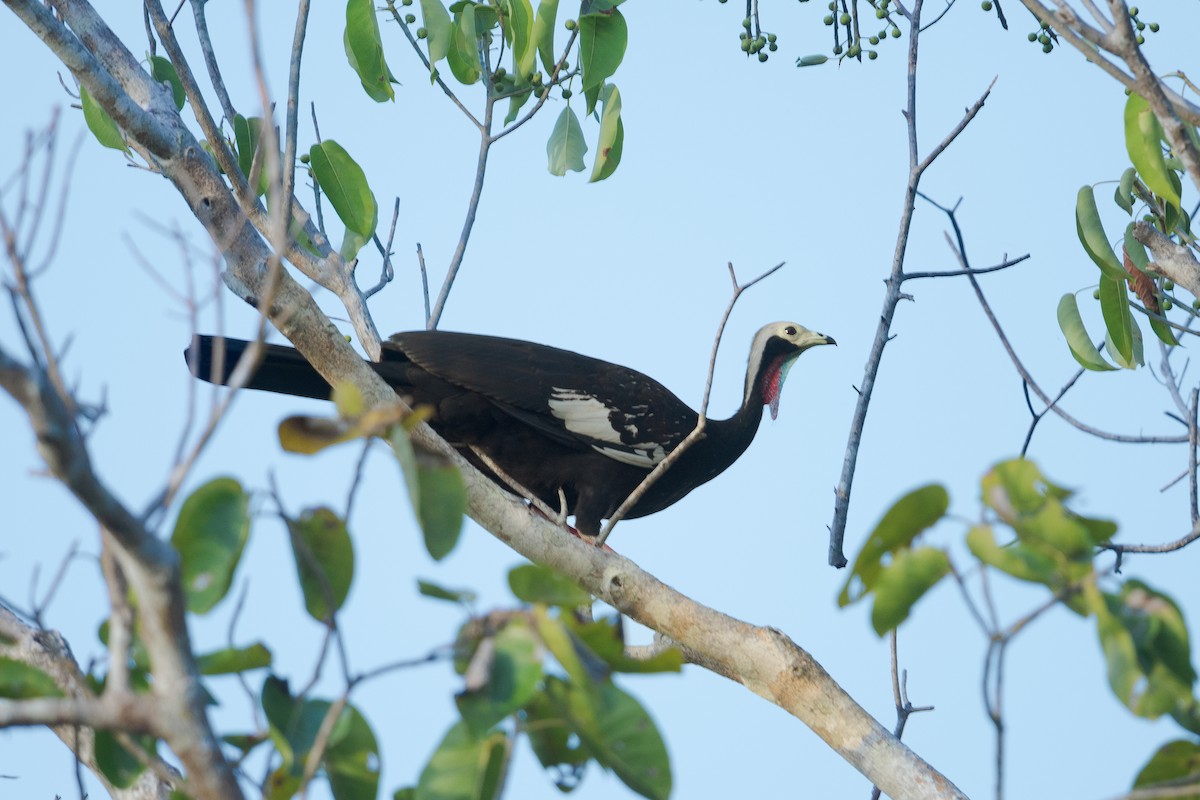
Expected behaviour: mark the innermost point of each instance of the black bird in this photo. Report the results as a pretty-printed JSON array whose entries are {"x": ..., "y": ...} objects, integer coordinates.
[{"x": 552, "y": 419}]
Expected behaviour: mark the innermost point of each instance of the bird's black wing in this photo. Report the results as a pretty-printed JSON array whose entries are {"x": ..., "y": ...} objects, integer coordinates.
[{"x": 574, "y": 399}]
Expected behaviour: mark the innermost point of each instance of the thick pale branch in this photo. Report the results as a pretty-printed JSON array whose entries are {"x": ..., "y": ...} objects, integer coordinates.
[{"x": 1171, "y": 260}]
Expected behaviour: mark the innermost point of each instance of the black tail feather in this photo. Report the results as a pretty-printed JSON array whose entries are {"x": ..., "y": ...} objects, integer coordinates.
[{"x": 282, "y": 370}]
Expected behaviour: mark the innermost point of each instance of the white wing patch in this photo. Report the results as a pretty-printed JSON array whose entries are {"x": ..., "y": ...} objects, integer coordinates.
[
  {"x": 638, "y": 457},
  {"x": 583, "y": 414},
  {"x": 591, "y": 418}
]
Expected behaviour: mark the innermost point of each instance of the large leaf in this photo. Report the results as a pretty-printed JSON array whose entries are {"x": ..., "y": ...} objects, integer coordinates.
[
  {"x": 1143, "y": 141},
  {"x": 163, "y": 71},
  {"x": 119, "y": 766},
  {"x": 565, "y": 148},
  {"x": 514, "y": 673},
  {"x": 439, "y": 31},
  {"x": 247, "y": 133},
  {"x": 1092, "y": 236},
  {"x": 908, "y": 517},
  {"x": 209, "y": 535},
  {"x": 519, "y": 33},
  {"x": 555, "y": 742},
  {"x": 436, "y": 491},
  {"x": 20, "y": 681},
  {"x": 602, "y": 41},
  {"x": 612, "y": 135},
  {"x": 533, "y": 583},
  {"x": 621, "y": 736},
  {"x": 463, "y": 56},
  {"x": 352, "y": 761},
  {"x": 1172, "y": 763},
  {"x": 345, "y": 184},
  {"x": 100, "y": 123},
  {"x": 293, "y": 723},
  {"x": 1017, "y": 559},
  {"x": 364, "y": 50},
  {"x": 464, "y": 767},
  {"x": 604, "y": 638},
  {"x": 543, "y": 33},
  {"x": 1114, "y": 305},
  {"x": 234, "y": 660},
  {"x": 905, "y": 581},
  {"x": 1077, "y": 336},
  {"x": 324, "y": 558}
]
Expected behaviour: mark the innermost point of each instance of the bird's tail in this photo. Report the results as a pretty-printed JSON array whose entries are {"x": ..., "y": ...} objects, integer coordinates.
[{"x": 283, "y": 369}]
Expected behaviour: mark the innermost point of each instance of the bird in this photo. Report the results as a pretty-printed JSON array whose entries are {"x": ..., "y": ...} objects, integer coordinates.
[{"x": 578, "y": 433}]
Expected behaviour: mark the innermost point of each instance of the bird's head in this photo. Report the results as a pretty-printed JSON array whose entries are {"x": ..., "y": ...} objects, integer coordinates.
[{"x": 776, "y": 347}]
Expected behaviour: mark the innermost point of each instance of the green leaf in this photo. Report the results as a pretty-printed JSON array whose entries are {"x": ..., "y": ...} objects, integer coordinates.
[
  {"x": 1137, "y": 357},
  {"x": 565, "y": 148},
  {"x": 533, "y": 583},
  {"x": 1172, "y": 763},
  {"x": 514, "y": 105},
  {"x": 247, "y": 133},
  {"x": 464, "y": 767},
  {"x": 441, "y": 508},
  {"x": 430, "y": 589},
  {"x": 293, "y": 722},
  {"x": 439, "y": 32},
  {"x": 581, "y": 665},
  {"x": 352, "y": 761},
  {"x": 324, "y": 558},
  {"x": 907, "y": 518},
  {"x": 1016, "y": 559},
  {"x": 1114, "y": 305},
  {"x": 543, "y": 33},
  {"x": 120, "y": 767},
  {"x": 555, "y": 742},
  {"x": 234, "y": 659},
  {"x": 1092, "y": 236},
  {"x": 1159, "y": 630},
  {"x": 602, "y": 41},
  {"x": 1071, "y": 324},
  {"x": 345, "y": 184},
  {"x": 20, "y": 681},
  {"x": 1143, "y": 141},
  {"x": 364, "y": 50},
  {"x": 519, "y": 33},
  {"x": 515, "y": 670},
  {"x": 100, "y": 123},
  {"x": 905, "y": 581},
  {"x": 811, "y": 61},
  {"x": 612, "y": 135},
  {"x": 163, "y": 71},
  {"x": 606, "y": 640},
  {"x": 622, "y": 737},
  {"x": 209, "y": 535},
  {"x": 1124, "y": 193},
  {"x": 463, "y": 56}
]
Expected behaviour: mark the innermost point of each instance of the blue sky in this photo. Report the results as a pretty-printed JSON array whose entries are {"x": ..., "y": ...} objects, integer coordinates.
[{"x": 725, "y": 160}]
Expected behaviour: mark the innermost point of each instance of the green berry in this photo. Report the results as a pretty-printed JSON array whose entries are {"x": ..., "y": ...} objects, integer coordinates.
[
  {"x": 1032, "y": 37},
  {"x": 871, "y": 54},
  {"x": 570, "y": 24},
  {"x": 1096, "y": 294},
  {"x": 410, "y": 18},
  {"x": 772, "y": 47},
  {"x": 746, "y": 23},
  {"x": 1133, "y": 11},
  {"x": 422, "y": 33},
  {"x": 771, "y": 38},
  {"x": 986, "y": 5},
  {"x": 566, "y": 93},
  {"x": 762, "y": 57},
  {"x": 305, "y": 158},
  {"x": 1141, "y": 26},
  {"x": 1196, "y": 304},
  {"x": 828, "y": 19},
  {"x": 1046, "y": 48},
  {"x": 880, "y": 13},
  {"x": 895, "y": 33},
  {"x": 837, "y": 49},
  {"x": 1141, "y": 39},
  {"x": 1167, "y": 304},
  {"x": 406, "y": 2},
  {"x": 1154, "y": 27},
  {"x": 844, "y": 19},
  {"x": 832, "y": 6},
  {"x": 874, "y": 40},
  {"x": 1168, "y": 284},
  {"x": 746, "y": 45}
]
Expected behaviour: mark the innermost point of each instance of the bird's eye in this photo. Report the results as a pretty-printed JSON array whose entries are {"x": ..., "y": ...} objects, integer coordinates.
[{"x": 790, "y": 330}]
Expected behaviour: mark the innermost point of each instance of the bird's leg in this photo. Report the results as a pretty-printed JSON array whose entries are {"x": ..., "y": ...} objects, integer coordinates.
[{"x": 562, "y": 507}]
